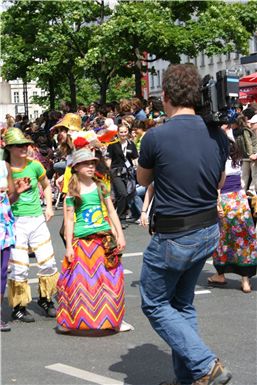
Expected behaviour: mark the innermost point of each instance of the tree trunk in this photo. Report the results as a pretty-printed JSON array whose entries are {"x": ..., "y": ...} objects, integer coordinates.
[
  {"x": 138, "y": 82},
  {"x": 51, "y": 93},
  {"x": 73, "y": 91},
  {"x": 103, "y": 90},
  {"x": 102, "y": 12}
]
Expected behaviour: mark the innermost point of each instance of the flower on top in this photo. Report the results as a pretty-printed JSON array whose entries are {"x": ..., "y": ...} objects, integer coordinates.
[{"x": 80, "y": 142}]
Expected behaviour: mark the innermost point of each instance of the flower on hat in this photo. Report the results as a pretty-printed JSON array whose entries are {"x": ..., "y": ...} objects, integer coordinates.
[
  {"x": 80, "y": 142},
  {"x": 107, "y": 136},
  {"x": 109, "y": 131}
]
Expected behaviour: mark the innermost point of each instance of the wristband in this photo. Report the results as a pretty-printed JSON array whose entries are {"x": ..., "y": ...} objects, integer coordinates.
[{"x": 144, "y": 211}]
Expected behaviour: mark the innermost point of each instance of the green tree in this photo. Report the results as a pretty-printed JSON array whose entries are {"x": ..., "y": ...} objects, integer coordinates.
[
  {"x": 62, "y": 43},
  {"x": 165, "y": 29},
  {"x": 43, "y": 39}
]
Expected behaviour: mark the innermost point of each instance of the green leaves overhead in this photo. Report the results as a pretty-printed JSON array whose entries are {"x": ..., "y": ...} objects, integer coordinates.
[{"x": 62, "y": 42}]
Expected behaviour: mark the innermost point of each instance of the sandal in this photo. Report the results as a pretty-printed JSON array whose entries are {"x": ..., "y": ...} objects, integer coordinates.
[{"x": 214, "y": 282}]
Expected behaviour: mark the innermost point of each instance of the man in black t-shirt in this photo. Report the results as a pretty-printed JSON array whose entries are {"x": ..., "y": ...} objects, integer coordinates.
[{"x": 186, "y": 161}]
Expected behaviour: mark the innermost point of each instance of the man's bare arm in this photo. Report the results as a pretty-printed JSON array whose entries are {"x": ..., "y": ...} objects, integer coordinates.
[{"x": 144, "y": 176}]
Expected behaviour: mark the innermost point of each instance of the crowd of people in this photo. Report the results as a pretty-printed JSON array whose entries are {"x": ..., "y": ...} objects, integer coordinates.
[{"x": 151, "y": 163}]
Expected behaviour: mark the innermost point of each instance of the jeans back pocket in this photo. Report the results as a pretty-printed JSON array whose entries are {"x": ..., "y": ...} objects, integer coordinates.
[{"x": 180, "y": 252}]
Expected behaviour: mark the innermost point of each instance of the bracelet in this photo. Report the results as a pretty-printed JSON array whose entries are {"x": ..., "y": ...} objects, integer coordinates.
[{"x": 144, "y": 211}]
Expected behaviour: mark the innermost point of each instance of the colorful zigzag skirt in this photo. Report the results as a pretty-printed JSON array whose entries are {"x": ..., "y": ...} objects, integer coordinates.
[{"x": 89, "y": 295}]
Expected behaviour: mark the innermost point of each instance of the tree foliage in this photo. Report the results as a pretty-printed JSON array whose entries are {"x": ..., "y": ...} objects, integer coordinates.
[{"x": 81, "y": 46}]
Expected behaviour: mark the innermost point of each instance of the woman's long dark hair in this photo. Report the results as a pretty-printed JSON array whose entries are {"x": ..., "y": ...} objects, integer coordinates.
[
  {"x": 235, "y": 153},
  {"x": 67, "y": 147}
]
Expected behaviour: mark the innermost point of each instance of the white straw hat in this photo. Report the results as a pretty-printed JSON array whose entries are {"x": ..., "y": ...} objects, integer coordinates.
[{"x": 83, "y": 155}]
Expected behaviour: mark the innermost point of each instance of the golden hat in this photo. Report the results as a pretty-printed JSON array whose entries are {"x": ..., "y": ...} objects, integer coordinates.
[
  {"x": 70, "y": 121},
  {"x": 15, "y": 136}
]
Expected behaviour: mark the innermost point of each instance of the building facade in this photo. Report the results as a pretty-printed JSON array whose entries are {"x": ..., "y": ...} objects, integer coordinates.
[
  {"x": 206, "y": 65},
  {"x": 13, "y": 97}
]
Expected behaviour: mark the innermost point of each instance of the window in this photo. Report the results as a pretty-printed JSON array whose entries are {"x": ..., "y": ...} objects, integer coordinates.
[
  {"x": 34, "y": 93},
  {"x": 237, "y": 55},
  {"x": 152, "y": 80},
  {"x": 195, "y": 61},
  {"x": 202, "y": 59},
  {"x": 16, "y": 97},
  {"x": 255, "y": 43},
  {"x": 228, "y": 56},
  {"x": 43, "y": 93},
  {"x": 220, "y": 58},
  {"x": 211, "y": 60},
  {"x": 158, "y": 79},
  {"x": 35, "y": 114},
  {"x": 163, "y": 73}
]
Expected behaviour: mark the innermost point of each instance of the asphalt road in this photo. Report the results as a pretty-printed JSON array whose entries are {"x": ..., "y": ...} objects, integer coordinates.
[{"x": 35, "y": 354}]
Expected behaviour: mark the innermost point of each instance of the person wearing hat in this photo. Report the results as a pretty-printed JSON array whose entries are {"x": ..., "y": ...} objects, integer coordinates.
[
  {"x": 64, "y": 129},
  {"x": 31, "y": 231},
  {"x": 91, "y": 269}
]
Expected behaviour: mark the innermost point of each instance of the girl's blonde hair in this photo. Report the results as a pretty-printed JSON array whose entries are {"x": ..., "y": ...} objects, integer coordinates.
[{"x": 74, "y": 188}]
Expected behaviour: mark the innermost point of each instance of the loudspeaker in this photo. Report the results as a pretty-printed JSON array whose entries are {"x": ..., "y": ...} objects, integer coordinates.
[{"x": 227, "y": 88}]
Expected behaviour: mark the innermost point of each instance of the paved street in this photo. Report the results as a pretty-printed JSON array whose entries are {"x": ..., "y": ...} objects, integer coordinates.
[{"x": 35, "y": 354}]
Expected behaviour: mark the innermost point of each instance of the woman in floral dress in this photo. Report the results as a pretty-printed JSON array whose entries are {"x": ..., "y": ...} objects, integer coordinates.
[{"x": 237, "y": 250}]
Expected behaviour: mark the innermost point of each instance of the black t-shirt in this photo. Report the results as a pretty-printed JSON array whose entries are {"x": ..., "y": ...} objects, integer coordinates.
[
  {"x": 187, "y": 159},
  {"x": 116, "y": 154}
]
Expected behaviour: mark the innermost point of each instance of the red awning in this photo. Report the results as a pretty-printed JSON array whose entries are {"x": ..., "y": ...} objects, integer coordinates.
[
  {"x": 248, "y": 95},
  {"x": 249, "y": 80}
]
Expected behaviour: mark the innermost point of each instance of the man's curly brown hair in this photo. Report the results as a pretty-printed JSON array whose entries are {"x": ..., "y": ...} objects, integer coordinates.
[{"x": 182, "y": 85}]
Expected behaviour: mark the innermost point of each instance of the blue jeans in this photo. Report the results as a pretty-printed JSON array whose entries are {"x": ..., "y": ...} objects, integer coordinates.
[
  {"x": 169, "y": 275},
  {"x": 136, "y": 206}
]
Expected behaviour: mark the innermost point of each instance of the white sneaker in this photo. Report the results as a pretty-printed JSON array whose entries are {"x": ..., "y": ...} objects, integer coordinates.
[
  {"x": 250, "y": 193},
  {"x": 124, "y": 327},
  {"x": 60, "y": 329}
]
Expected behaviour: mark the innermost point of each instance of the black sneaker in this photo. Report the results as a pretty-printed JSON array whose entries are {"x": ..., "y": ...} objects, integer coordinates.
[
  {"x": 48, "y": 307},
  {"x": 20, "y": 313}
]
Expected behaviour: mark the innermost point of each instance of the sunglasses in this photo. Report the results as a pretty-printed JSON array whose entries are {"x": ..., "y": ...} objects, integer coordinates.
[{"x": 20, "y": 145}]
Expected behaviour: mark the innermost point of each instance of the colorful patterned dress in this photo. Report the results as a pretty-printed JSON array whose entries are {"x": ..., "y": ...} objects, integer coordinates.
[
  {"x": 90, "y": 296},
  {"x": 237, "y": 250},
  {"x": 7, "y": 236}
]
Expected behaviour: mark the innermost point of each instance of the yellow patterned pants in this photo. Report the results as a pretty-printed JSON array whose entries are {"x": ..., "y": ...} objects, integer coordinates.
[{"x": 33, "y": 233}]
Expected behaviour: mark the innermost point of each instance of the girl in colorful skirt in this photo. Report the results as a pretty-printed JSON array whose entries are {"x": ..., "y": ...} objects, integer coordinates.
[
  {"x": 237, "y": 250},
  {"x": 91, "y": 283}
]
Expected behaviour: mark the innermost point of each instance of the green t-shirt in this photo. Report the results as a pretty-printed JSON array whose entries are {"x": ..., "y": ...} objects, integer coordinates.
[
  {"x": 28, "y": 204},
  {"x": 89, "y": 215}
]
